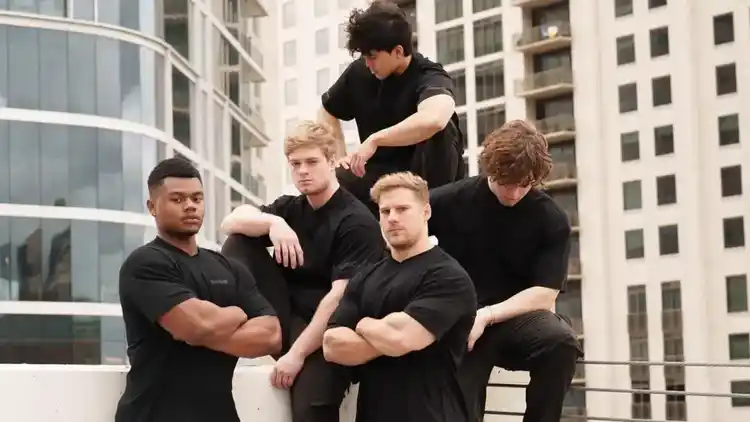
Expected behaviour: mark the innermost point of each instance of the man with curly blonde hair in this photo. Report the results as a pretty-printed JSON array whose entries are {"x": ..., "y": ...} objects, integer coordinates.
[
  {"x": 320, "y": 239},
  {"x": 513, "y": 240}
]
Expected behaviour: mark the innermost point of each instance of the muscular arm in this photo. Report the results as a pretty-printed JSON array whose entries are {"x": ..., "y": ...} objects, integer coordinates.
[
  {"x": 311, "y": 337},
  {"x": 249, "y": 221},
  {"x": 344, "y": 346},
  {"x": 395, "y": 335},
  {"x": 325, "y": 117},
  {"x": 432, "y": 115},
  {"x": 528, "y": 300}
]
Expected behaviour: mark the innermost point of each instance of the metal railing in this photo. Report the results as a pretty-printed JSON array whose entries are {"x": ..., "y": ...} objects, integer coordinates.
[
  {"x": 544, "y": 79},
  {"x": 556, "y": 123},
  {"x": 575, "y": 413},
  {"x": 562, "y": 171},
  {"x": 546, "y": 32}
]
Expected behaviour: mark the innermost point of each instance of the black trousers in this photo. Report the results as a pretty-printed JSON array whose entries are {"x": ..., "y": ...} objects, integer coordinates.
[
  {"x": 320, "y": 386},
  {"x": 540, "y": 342}
]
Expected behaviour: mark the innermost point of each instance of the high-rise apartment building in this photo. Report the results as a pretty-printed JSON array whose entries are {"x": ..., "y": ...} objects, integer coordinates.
[
  {"x": 634, "y": 96},
  {"x": 93, "y": 93}
]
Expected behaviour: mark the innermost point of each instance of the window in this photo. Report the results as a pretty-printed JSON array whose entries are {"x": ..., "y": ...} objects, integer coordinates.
[
  {"x": 631, "y": 195},
  {"x": 734, "y": 232},
  {"x": 723, "y": 29},
  {"x": 482, "y": 5},
  {"x": 489, "y": 119},
  {"x": 629, "y": 146},
  {"x": 653, "y": 4},
  {"x": 446, "y": 10},
  {"x": 321, "y": 41},
  {"x": 288, "y": 17},
  {"x": 669, "y": 242},
  {"x": 731, "y": 181},
  {"x": 489, "y": 80},
  {"x": 726, "y": 79},
  {"x": 661, "y": 88},
  {"x": 663, "y": 140},
  {"x": 488, "y": 35},
  {"x": 628, "y": 95},
  {"x": 729, "y": 129},
  {"x": 322, "y": 80},
  {"x": 623, "y": 8},
  {"x": 290, "y": 92},
  {"x": 450, "y": 45},
  {"x": 634, "y": 247},
  {"x": 290, "y": 53},
  {"x": 459, "y": 82},
  {"x": 666, "y": 190},
  {"x": 739, "y": 346},
  {"x": 320, "y": 8},
  {"x": 736, "y": 293},
  {"x": 659, "y": 38},
  {"x": 625, "y": 50},
  {"x": 740, "y": 387}
]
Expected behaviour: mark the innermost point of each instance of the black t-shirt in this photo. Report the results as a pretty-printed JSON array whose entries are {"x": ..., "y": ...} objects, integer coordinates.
[
  {"x": 504, "y": 249},
  {"x": 378, "y": 104},
  {"x": 336, "y": 239},
  {"x": 420, "y": 386},
  {"x": 170, "y": 380}
]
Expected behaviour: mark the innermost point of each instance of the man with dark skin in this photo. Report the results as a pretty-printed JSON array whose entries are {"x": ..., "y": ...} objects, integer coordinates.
[
  {"x": 403, "y": 104},
  {"x": 189, "y": 312},
  {"x": 513, "y": 240}
]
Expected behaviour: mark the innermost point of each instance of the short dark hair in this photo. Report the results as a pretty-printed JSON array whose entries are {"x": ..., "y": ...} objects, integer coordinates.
[
  {"x": 381, "y": 27},
  {"x": 172, "y": 167}
]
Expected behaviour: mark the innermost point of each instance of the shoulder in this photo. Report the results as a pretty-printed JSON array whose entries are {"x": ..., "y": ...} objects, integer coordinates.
[
  {"x": 444, "y": 270},
  {"x": 464, "y": 188},
  {"x": 553, "y": 216},
  {"x": 428, "y": 67},
  {"x": 355, "y": 214},
  {"x": 149, "y": 255}
]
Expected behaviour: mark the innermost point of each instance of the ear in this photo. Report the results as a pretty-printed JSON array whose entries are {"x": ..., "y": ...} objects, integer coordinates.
[
  {"x": 151, "y": 207},
  {"x": 427, "y": 211},
  {"x": 398, "y": 51}
]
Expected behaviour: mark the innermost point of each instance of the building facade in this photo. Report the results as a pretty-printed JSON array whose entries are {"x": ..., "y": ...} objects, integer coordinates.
[
  {"x": 93, "y": 93},
  {"x": 634, "y": 96}
]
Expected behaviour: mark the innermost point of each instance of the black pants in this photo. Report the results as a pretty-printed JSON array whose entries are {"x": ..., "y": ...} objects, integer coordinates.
[
  {"x": 320, "y": 386},
  {"x": 540, "y": 342}
]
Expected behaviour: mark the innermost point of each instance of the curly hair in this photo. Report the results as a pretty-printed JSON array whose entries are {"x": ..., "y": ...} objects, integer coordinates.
[
  {"x": 381, "y": 27},
  {"x": 515, "y": 154}
]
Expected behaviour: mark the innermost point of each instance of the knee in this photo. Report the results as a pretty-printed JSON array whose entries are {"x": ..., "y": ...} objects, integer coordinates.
[{"x": 244, "y": 248}]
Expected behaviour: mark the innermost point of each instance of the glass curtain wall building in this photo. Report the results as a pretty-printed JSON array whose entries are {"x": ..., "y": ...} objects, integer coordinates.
[{"x": 93, "y": 93}]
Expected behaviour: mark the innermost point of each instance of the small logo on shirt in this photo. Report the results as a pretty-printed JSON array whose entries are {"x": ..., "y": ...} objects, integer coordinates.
[{"x": 219, "y": 282}]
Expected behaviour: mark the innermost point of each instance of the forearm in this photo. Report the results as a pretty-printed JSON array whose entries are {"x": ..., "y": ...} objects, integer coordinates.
[
  {"x": 528, "y": 300},
  {"x": 335, "y": 124},
  {"x": 311, "y": 337},
  {"x": 416, "y": 128},
  {"x": 257, "y": 337},
  {"x": 384, "y": 337},
  {"x": 219, "y": 324},
  {"x": 248, "y": 221},
  {"x": 343, "y": 346}
]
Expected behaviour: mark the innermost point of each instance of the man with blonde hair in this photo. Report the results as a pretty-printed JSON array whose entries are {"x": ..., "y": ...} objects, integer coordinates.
[
  {"x": 513, "y": 240},
  {"x": 320, "y": 240},
  {"x": 404, "y": 322}
]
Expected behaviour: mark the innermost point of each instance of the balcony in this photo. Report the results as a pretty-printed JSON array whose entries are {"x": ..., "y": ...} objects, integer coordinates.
[
  {"x": 254, "y": 8},
  {"x": 534, "y": 3},
  {"x": 544, "y": 38},
  {"x": 563, "y": 175},
  {"x": 557, "y": 128},
  {"x": 545, "y": 84}
]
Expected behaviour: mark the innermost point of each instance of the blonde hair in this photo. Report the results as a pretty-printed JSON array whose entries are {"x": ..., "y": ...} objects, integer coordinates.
[
  {"x": 401, "y": 180},
  {"x": 311, "y": 134}
]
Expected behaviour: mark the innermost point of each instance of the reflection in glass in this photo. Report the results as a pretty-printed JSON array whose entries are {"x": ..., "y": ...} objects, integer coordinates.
[
  {"x": 62, "y": 340},
  {"x": 62, "y": 260},
  {"x": 56, "y": 165},
  {"x": 43, "y": 69}
]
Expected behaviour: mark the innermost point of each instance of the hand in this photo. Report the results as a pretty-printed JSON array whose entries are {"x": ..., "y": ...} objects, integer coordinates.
[
  {"x": 344, "y": 162},
  {"x": 480, "y": 323},
  {"x": 286, "y": 247},
  {"x": 286, "y": 369},
  {"x": 363, "y": 154}
]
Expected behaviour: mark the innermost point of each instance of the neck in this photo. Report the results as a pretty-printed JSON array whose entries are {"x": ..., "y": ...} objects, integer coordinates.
[
  {"x": 319, "y": 199},
  {"x": 421, "y": 246},
  {"x": 188, "y": 244},
  {"x": 403, "y": 66}
]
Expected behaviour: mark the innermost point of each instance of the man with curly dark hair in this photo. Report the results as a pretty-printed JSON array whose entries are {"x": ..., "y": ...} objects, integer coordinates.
[
  {"x": 514, "y": 241},
  {"x": 403, "y": 104}
]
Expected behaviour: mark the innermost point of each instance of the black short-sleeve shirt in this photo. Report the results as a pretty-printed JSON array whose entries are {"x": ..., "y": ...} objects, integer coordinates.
[
  {"x": 420, "y": 386},
  {"x": 337, "y": 239},
  {"x": 378, "y": 104},
  {"x": 170, "y": 380},
  {"x": 504, "y": 249}
]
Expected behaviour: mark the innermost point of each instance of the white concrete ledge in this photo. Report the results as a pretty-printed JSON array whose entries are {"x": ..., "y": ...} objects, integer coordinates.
[{"x": 89, "y": 393}]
